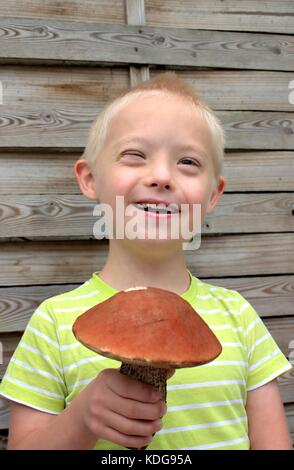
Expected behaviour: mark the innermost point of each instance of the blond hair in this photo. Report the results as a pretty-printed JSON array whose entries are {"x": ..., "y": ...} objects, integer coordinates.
[{"x": 167, "y": 82}]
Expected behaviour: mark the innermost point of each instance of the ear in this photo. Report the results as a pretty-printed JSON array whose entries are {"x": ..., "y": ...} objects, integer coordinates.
[
  {"x": 216, "y": 194},
  {"x": 85, "y": 179}
]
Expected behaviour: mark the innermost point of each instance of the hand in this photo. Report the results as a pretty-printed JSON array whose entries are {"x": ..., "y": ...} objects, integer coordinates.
[{"x": 121, "y": 410}]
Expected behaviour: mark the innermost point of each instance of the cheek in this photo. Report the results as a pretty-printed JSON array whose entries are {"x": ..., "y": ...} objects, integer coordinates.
[
  {"x": 113, "y": 184},
  {"x": 199, "y": 194}
]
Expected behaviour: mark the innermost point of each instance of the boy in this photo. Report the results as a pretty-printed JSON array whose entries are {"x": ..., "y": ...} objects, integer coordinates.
[{"x": 157, "y": 144}]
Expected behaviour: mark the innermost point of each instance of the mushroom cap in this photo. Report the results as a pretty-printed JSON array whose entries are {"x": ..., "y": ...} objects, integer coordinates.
[{"x": 148, "y": 326}]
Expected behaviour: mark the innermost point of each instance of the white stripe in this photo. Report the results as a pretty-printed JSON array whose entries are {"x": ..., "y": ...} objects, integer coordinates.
[
  {"x": 51, "y": 341},
  {"x": 270, "y": 377},
  {"x": 231, "y": 312},
  {"x": 73, "y": 309},
  {"x": 41, "y": 335},
  {"x": 44, "y": 356},
  {"x": 214, "y": 288},
  {"x": 244, "y": 307},
  {"x": 44, "y": 315},
  {"x": 36, "y": 371},
  {"x": 65, "y": 327},
  {"x": 201, "y": 426},
  {"x": 215, "y": 297},
  {"x": 70, "y": 346},
  {"x": 31, "y": 387},
  {"x": 80, "y": 382},
  {"x": 258, "y": 342},
  {"x": 258, "y": 320},
  {"x": 84, "y": 361},
  {"x": 208, "y": 312},
  {"x": 216, "y": 311},
  {"x": 205, "y": 297},
  {"x": 227, "y": 363},
  {"x": 205, "y": 384},
  {"x": 76, "y": 297},
  {"x": 206, "y": 405},
  {"x": 217, "y": 444},
  {"x": 229, "y": 299},
  {"x": 235, "y": 345},
  {"x": 29, "y": 404},
  {"x": 264, "y": 359},
  {"x": 225, "y": 327}
]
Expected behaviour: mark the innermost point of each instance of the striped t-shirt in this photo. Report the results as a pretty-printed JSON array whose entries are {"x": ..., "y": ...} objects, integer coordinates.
[{"x": 206, "y": 404}]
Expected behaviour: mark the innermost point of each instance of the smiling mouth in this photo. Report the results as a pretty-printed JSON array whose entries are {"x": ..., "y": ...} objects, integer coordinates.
[{"x": 156, "y": 208}]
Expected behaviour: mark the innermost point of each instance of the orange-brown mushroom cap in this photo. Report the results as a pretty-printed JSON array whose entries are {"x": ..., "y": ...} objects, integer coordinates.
[{"x": 148, "y": 326}]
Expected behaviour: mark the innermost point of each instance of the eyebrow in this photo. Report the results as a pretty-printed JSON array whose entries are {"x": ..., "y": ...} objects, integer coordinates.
[{"x": 185, "y": 147}]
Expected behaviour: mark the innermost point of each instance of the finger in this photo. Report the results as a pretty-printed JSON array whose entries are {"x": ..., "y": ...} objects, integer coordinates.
[
  {"x": 132, "y": 442},
  {"x": 132, "y": 427},
  {"x": 134, "y": 409},
  {"x": 127, "y": 387},
  {"x": 170, "y": 373}
]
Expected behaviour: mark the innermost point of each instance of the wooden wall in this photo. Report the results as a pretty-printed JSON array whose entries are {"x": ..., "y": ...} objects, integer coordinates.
[{"x": 60, "y": 61}]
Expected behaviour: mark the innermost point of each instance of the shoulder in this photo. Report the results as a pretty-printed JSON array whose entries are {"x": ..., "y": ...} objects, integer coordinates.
[
  {"x": 226, "y": 303},
  {"x": 65, "y": 307},
  {"x": 220, "y": 294},
  {"x": 81, "y": 292}
]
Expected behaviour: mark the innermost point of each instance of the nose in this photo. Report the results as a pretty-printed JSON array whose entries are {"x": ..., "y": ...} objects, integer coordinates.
[{"x": 160, "y": 175}]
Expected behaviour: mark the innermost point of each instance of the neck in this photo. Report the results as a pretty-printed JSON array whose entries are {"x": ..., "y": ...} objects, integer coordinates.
[{"x": 128, "y": 265}]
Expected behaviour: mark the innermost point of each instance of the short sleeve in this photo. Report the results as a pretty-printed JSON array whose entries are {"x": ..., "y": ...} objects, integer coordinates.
[
  {"x": 34, "y": 376},
  {"x": 266, "y": 361}
]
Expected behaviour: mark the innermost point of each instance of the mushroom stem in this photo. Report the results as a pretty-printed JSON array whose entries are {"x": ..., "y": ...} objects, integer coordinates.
[{"x": 155, "y": 376}]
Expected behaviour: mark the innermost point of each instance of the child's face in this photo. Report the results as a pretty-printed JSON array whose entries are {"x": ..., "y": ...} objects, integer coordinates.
[{"x": 158, "y": 148}]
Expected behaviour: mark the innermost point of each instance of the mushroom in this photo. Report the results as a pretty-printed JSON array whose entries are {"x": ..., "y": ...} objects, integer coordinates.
[{"x": 151, "y": 331}]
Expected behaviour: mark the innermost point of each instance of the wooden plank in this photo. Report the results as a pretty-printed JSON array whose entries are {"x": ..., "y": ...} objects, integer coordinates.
[
  {"x": 266, "y": 16},
  {"x": 71, "y": 216},
  {"x": 271, "y": 296},
  {"x": 3, "y": 439},
  {"x": 83, "y": 88},
  {"x": 239, "y": 90},
  {"x": 248, "y": 213},
  {"x": 26, "y": 40},
  {"x": 135, "y": 13},
  {"x": 9, "y": 342},
  {"x": 71, "y": 88},
  {"x": 102, "y": 11},
  {"x": 37, "y": 263},
  {"x": 258, "y": 130},
  {"x": 280, "y": 329},
  {"x": 259, "y": 171},
  {"x": 66, "y": 128},
  {"x": 38, "y": 173},
  {"x": 4, "y": 413},
  {"x": 62, "y": 109},
  {"x": 52, "y": 173},
  {"x": 18, "y": 303}
]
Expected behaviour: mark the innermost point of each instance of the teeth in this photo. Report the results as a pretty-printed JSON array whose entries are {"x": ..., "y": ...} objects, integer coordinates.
[{"x": 159, "y": 208}]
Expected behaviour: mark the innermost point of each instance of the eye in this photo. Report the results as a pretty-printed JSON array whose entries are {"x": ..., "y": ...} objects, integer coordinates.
[
  {"x": 189, "y": 161},
  {"x": 132, "y": 154}
]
